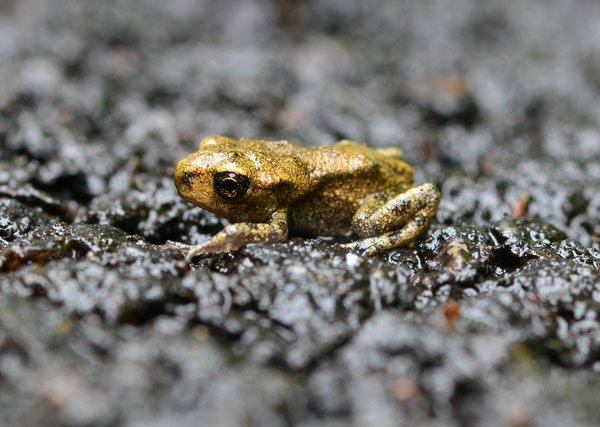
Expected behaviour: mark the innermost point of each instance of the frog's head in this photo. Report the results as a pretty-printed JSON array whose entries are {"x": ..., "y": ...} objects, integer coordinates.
[{"x": 241, "y": 180}]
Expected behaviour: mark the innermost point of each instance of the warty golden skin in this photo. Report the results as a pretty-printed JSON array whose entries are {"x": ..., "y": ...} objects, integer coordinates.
[{"x": 271, "y": 188}]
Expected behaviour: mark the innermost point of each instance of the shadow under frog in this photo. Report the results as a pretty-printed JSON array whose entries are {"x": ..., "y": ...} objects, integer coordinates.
[{"x": 271, "y": 188}]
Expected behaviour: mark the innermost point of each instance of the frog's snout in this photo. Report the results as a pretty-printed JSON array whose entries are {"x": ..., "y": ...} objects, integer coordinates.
[{"x": 184, "y": 177}]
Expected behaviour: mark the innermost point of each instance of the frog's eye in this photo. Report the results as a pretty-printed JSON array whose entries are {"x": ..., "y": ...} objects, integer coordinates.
[{"x": 230, "y": 185}]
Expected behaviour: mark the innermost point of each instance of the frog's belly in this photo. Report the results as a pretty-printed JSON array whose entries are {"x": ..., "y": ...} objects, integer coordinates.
[
  {"x": 322, "y": 219},
  {"x": 328, "y": 211}
]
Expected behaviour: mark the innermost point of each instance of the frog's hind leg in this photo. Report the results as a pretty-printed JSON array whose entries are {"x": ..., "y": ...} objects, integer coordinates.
[{"x": 393, "y": 218}]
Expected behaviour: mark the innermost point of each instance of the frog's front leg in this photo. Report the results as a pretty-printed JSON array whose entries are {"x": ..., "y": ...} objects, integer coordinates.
[
  {"x": 393, "y": 218},
  {"x": 234, "y": 236}
]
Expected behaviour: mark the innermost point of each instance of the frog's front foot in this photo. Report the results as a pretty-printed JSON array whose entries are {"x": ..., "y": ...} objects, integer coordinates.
[
  {"x": 190, "y": 251},
  {"x": 211, "y": 246},
  {"x": 234, "y": 236}
]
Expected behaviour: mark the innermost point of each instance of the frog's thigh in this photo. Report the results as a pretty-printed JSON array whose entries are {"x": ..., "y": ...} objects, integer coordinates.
[
  {"x": 386, "y": 220},
  {"x": 234, "y": 236}
]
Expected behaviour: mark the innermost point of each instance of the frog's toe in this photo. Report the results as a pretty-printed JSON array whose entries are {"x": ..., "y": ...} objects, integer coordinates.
[
  {"x": 365, "y": 247},
  {"x": 372, "y": 246},
  {"x": 371, "y": 251},
  {"x": 178, "y": 246},
  {"x": 363, "y": 251},
  {"x": 351, "y": 245},
  {"x": 202, "y": 249}
]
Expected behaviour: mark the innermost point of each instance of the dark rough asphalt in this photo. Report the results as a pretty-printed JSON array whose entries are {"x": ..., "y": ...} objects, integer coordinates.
[{"x": 490, "y": 319}]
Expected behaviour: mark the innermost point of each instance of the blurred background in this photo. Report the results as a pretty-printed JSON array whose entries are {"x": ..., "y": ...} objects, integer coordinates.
[{"x": 496, "y": 102}]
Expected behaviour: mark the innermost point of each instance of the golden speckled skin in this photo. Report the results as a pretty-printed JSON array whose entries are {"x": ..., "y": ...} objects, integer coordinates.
[{"x": 322, "y": 190}]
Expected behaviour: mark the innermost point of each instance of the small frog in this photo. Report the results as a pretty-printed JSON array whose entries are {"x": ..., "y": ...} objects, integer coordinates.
[{"x": 270, "y": 188}]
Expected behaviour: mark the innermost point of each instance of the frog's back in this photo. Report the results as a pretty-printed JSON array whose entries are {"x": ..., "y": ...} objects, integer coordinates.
[
  {"x": 341, "y": 176},
  {"x": 352, "y": 159}
]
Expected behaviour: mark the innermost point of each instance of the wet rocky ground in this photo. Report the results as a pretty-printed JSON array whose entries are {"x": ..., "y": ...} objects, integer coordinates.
[{"x": 490, "y": 319}]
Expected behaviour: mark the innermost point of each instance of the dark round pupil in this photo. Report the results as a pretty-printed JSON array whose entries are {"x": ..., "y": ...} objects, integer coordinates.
[{"x": 230, "y": 185}]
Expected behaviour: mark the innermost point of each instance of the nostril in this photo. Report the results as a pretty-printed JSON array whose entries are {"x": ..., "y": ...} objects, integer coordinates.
[{"x": 186, "y": 178}]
